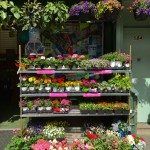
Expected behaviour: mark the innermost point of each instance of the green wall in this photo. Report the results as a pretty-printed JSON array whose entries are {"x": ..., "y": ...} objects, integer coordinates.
[{"x": 126, "y": 28}]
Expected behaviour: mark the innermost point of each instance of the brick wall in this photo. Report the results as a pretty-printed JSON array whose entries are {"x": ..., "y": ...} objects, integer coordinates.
[{"x": 8, "y": 41}]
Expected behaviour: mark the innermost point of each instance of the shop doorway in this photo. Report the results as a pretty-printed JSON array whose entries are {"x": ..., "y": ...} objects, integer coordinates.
[
  {"x": 139, "y": 38},
  {"x": 8, "y": 78}
]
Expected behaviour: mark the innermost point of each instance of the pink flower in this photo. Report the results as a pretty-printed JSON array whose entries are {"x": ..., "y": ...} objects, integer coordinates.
[
  {"x": 65, "y": 102},
  {"x": 75, "y": 55},
  {"x": 41, "y": 145}
]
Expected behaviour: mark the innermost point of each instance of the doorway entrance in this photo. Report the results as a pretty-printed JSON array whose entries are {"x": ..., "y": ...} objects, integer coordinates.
[{"x": 139, "y": 38}]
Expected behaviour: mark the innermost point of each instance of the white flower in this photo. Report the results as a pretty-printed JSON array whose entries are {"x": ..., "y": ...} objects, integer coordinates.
[
  {"x": 43, "y": 57},
  {"x": 131, "y": 139}
]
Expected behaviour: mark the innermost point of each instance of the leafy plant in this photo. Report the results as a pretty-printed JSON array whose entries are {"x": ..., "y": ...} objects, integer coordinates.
[
  {"x": 31, "y": 15},
  {"x": 56, "y": 12},
  {"x": 9, "y": 14}
]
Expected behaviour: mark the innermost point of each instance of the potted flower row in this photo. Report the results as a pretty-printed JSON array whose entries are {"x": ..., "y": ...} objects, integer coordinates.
[
  {"x": 111, "y": 60},
  {"x": 119, "y": 84},
  {"x": 104, "y": 108},
  {"x": 45, "y": 106},
  {"x": 118, "y": 60}
]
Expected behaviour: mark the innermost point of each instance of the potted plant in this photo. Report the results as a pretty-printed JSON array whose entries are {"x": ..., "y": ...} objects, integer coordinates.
[
  {"x": 85, "y": 85},
  {"x": 108, "y": 10},
  {"x": 86, "y": 64},
  {"x": 31, "y": 81},
  {"x": 39, "y": 103},
  {"x": 93, "y": 86},
  {"x": 140, "y": 9},
  {"x": 65, "y": 105},
  {"x": 56, "y": 106},
  {"x": 49, "y": 63},
  {"x": 47, "y": 83},
  {"x": 83, "y": 11},
  {"x": 23, "y": 106},
  {"x": 31, "y": 106},
  {"x": 83, "y": 108},
  {"x": 24, "y": 85},
  {"x": 48, "y": 105},
  {"x": 107, "y": 107}
]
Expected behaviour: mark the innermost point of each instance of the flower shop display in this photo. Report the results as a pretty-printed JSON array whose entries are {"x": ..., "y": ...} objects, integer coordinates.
[
  {"x": 141, "y": 9},
  {"x": 108, "y": 10},
  {"x": 77, "y": 62},
  {"x": 83, "y": 11}
]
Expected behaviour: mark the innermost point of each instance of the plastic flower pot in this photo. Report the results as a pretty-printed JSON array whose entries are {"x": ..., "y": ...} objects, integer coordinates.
[
  {"x": 48, "y": 109},
  {"x": 125, "y": 111},
  {"x": 84, "y": 111},
  {"x": 40, "y": 109},
  {"x": 108, "y": 111},
  {"x": 118, "y": 64},
  {"x": 100, "y": 111},
  {"x": 127, "y": 65},
  {"x": 112, "y": 64},
  {"x": 48, "y": 89},
  {"x": 33, "y": 110},
  {"x": 41, "y": 89},
  {"x": 31, "y": 67},
  {"x": 92, "y": 111},
  {"x": 77, "y": 88},
  {"x": 31, "y": 89},
  {"x": 55, "y": 89},
  {"x": 24, "y": 89},
  {"x": 118, "y": 111},
  {"x": 93, "y": 90},
  {"x": 25, "y": 110},
  {"x": 68, "y": 89}
]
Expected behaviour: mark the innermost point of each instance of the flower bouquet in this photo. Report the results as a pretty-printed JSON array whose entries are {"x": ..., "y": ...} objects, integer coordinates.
[
  {"x": 141, "y": 9},
  {"x": 83, "y": 11}
]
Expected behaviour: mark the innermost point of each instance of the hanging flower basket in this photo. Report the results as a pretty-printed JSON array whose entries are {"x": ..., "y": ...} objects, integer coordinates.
[
  {"x": 83, "y": 11},
  {"x": 139, "y": 17}
]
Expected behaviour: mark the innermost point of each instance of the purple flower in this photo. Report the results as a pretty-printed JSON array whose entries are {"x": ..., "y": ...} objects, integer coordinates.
[{"x": 82, "y": 7}]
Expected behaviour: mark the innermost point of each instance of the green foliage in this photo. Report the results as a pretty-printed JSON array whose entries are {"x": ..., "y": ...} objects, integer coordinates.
[
  {"x": 31, "y": 15},
  {"x": 19, "y": 143},
  {"x": 9, "y": 14}
]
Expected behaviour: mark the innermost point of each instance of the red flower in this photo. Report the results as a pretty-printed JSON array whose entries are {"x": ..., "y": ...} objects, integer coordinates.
[{"x": 91, "y": 135}]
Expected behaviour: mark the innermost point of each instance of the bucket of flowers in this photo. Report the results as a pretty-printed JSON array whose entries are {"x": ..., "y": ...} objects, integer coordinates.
[
  {"x": 141, "y": 9},
  {"x": 83, "y": 11}
]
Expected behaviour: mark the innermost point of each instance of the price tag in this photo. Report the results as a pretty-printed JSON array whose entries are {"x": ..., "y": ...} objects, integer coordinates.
[
  {"x": 45, "y": 71},
  {"x": 91, "y": 94},
  {"x": 58, "y": 95},
  {"x": 103, "y": 72}
]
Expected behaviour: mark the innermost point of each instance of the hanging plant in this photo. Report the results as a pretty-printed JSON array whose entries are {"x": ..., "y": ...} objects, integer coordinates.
[
  {"x": 9, "y": 14},
  {"x": 54, "y": 15},
  {"x": 31, "y": 15},
  {"x": 107, "y": 10},
  {"x": 141, "y": 9},
  {"x": 84, "y": 11}
]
